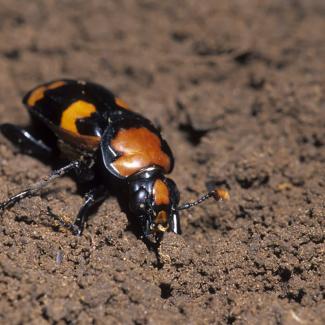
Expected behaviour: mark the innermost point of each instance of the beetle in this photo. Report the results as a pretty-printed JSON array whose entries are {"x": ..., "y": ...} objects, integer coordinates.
[{"x": 108, "y": 146}]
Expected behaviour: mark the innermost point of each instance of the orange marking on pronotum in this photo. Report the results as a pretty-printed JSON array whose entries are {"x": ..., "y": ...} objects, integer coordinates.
[{"x": 140, "y": 148}]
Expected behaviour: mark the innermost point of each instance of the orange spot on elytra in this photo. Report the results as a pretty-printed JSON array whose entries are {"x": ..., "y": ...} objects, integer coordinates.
[
  {"x": 55, "y": 84},
  {"x": 121, "y": 103},
  {"x": 38, "y": 93},
  {"x": 78, "y": 110},
  {"x": 140, "y": 148},
  {"x": 160, "y": 192}
]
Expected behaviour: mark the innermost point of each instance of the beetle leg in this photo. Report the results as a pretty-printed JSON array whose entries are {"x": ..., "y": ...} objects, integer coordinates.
[
  {"x": 72, "y": 227},
  {"x": 25, "y": 141},
  {"x": 92, "y": 198},
  {"x": 33, "y": 189}
]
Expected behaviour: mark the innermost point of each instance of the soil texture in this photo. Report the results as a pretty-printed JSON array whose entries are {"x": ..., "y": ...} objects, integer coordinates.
[{"x": 238, "y": 90}]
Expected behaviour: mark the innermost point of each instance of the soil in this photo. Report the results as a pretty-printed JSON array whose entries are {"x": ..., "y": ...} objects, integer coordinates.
[{"x": 238, "y": 90}]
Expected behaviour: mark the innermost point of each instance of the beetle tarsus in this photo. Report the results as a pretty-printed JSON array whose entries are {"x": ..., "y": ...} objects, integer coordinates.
[{"x": 68, "y": 225}]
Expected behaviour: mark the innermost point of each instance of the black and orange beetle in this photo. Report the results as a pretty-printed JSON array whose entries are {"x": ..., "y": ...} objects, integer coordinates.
[{"x": 109, "y": 146}]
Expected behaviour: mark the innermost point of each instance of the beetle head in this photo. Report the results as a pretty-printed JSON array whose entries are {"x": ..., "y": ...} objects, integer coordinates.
[{"x": 154, "y": 202}]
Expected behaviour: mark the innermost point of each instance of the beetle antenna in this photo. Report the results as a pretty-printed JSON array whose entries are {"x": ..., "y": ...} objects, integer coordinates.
[{"x": 218, "y": 194}]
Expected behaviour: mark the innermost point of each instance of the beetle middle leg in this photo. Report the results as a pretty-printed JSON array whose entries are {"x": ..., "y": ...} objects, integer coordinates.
[
  {"x": 92, "y": 198},
  {"x": 35, "y": 188}
]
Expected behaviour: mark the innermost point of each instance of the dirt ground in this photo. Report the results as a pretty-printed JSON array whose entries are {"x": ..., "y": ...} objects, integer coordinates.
[{"x": 238, "y": 90}]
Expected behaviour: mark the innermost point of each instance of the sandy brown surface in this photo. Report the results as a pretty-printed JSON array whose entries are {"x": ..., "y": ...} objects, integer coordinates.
[{"x": 238, "y": 89}]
